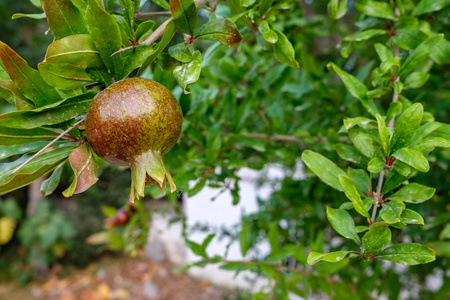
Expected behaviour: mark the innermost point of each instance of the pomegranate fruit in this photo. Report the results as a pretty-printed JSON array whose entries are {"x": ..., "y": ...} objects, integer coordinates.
[
  {"x": 122, "y": 217},
  {"x": 134, "y": 122}
]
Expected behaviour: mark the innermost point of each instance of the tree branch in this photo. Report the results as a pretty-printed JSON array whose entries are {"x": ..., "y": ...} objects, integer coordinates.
[
  {"x": 378, "y": 197},
  {"x": 152, "y": 15},
  {"x": 157, "y": 33},
  {"x": 45, "y": 148},
  {"x": 391, "y": 124}
]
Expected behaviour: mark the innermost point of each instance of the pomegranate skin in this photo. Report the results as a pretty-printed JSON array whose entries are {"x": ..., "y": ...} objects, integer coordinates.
[
  {"x": 131, "y": 117},
  {"x": 134, "y": 122}
]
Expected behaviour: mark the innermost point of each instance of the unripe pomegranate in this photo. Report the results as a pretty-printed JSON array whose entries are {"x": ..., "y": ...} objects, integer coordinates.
[
  {"x": 134, "y": 122},
  {"x": 122, "y": 217}
]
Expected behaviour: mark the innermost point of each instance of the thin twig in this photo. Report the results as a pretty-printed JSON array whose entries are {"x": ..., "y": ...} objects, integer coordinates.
[
  {"x": 394, "y": 99},
  {"x": 152, "y": 15},
  {"x": 378, "y": 197},
  {"x": 158, "y": 32},
  {"x": 45, "y": 148}
]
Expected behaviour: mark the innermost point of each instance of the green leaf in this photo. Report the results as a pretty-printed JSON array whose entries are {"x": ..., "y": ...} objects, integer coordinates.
[
  {"x": 50, "y": 184},
  {"x": 101, "y": 75},
  {"x": 337, "y": 10},
  {"x": 324, "y": 168},
  {"x": 106, "y": 34},
  {"x": 128, "y": 12},
  {"x": 163, "y": 4},
  {"x": 144, "y": 30},
  {"x": 200, "y": 250},
  {"x": 425, "y": 6},
  {"x": 413, "y": 193},
  {"x": 348, "y": 152},
  {"x": 264, "y": 6},
  {"x": 376, "y": 9},
  {"x": 409, "y": 216},
  {"x": 392, "y": 210},
  {"x": 431, "y": 143},
  {"x": 64, "y": 18},
  {"x": 284, "y": 51},
  {"x": 8, "y": 151},
  {"x": 247, "y": 3},
  {"x": 189, "y": 73},
  {"x": 360, "y": 229},
  {"x": 213, "y": 143},
  {"x": 184, "y": 15},
  {"x": 375, "y": 165},
  {"x": 38, "y": 167},
  {"x": 412, "y": 158},
  {"x": 13, "y": 137},
  {"x": 368, "y": 203},
  {"x": 222, "y": 30},
  {"x": 196, "y": 248},
  {"x": 364, "y": 123},
  {"x": 445, "y": 233},
  {"x": 408, "y": 254},
  {"x": 245, "y": 238},
  {"x": 268, "y": 34},
  {"x": 125, "y": 31},
  {"x": 441, "y": 53},
  {"x": 406, "y": 126},
  {"x": 352, "y": 193},
  {"x": 31, "y": 16},
  {"x": 363, "y": 141},
  {"x": 402, "y": 168},
  {"x": 315, "y": 257},
  {"x": 420, "y": 53},
  {"x": 383, "y": 52},
  {"x": 394, "y": 180},
  {"x": 425, "y": 130},
  {"x": 356, "y": 88},
  {"x": 135, "y": 57},
  {"x": 376, "y": 239},
  {"x": 54, "y": 114},
  {"x": 384, "y": 134},
  {"x": 274, "y": 237},
  {"x": 391, "y": 65},
  {"x": 395, "y": 108},
  {"x": 343, "y": 223},
  {"x": 441, "y": 248},
  {"x": 181, "y": 52},
  {"x": 28, "y": 80},
  {"x": 384, "y": 223},
  {"x": 78, "y": 50},
  {"x": 64, "y": 76},
  {"x": 10, "y": 92},
  {"x": 416, "y": 80},
  {"x": 84, "y": 167},
  {"x": 197, "y": 188},
  {"x": 165, "y": 40},
  {"x": 361, "y": 180},
  {"x": 365, "y": 35}
]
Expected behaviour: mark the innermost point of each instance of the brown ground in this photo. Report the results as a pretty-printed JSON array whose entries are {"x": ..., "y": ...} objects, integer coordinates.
[{"x": 117, "y": 278}]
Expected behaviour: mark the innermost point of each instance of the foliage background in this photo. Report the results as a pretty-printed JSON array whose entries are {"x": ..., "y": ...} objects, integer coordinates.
[{"x": 245, "y": 91}]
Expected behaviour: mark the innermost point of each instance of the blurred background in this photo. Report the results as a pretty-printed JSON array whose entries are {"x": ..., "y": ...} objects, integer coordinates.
[{"x": 57, "y": 249}]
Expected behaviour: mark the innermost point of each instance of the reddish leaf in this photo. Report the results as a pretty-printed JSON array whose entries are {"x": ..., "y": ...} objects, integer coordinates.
[
  {"x": 223, "y": 30},
  {"x": 84, "y": 166}
]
